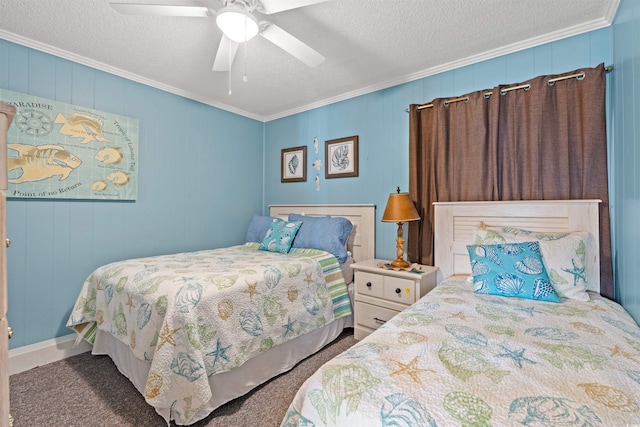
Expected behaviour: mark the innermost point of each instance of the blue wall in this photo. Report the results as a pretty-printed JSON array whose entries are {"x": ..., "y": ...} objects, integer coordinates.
[
  {"x": 382, "y": 124},
  {"x": 200, "y": 181},
  {"x": 626, "y": 154},
  {"x": 186, "y": 165}
]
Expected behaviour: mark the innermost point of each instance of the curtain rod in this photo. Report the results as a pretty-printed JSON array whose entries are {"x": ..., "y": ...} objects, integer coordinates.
[{"x": 487, "y": 95}]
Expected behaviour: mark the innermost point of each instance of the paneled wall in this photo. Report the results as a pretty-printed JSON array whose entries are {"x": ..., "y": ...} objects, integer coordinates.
[
  {"x": 625, "y": 157},
  {"x": 382, "y": 124},
  {"x": 201, "y": 168},
  {"x": 200, "y": 180}
]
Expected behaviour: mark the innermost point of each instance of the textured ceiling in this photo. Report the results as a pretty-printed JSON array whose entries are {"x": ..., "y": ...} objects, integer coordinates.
[{"x": 368, "y": 44}]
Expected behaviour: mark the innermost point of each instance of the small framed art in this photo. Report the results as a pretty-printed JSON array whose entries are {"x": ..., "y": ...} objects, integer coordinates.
[
  {"x": 294, "y": 164},
  {"x": 341, "y": 157}
]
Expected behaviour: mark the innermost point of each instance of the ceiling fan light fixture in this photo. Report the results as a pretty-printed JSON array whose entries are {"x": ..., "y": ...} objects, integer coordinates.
[{"x": 237, "y": 24}]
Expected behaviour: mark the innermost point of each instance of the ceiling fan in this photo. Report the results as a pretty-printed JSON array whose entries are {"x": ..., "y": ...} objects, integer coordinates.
[{"x": 238, "y": 24}]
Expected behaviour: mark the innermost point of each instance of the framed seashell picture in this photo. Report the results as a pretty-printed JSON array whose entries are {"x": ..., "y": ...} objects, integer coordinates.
[
  {"x": 341, "y": 157},
  {"x": 294, "y": 164}
]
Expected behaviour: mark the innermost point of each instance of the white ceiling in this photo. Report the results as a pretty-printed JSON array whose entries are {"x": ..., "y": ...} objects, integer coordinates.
[{"x": 368, "y": 44}]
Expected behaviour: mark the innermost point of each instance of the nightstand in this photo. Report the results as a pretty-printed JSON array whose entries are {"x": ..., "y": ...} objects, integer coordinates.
[{"x": 380, "y": 294}]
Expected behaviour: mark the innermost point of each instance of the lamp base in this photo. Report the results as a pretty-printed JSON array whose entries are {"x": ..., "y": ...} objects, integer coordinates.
[{"x": 400, "y": 263}]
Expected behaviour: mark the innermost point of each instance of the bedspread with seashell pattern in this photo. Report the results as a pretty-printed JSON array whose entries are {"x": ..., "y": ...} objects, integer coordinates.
[
  {"x": 193, "y": 315},
  {"x": 459, "y": 358}
]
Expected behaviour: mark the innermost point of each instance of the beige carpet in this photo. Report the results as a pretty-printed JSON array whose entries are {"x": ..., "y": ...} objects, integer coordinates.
[{"x": 87, "y": 391}]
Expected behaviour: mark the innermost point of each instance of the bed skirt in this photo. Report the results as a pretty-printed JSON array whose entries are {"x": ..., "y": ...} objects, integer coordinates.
[{"x": 227, "y": 386}]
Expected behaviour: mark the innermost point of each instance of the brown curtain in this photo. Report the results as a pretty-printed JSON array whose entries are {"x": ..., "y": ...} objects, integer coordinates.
[{"x": 541, "y": 141}]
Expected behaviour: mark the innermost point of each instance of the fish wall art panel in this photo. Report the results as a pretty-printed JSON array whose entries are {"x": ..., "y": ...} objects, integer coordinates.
[{"x": 63, "y": 151}]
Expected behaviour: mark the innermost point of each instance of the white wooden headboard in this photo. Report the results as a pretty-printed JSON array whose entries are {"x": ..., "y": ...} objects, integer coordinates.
[
  {"x": 361, "y": 216},
  {"x": 455, "y": 222}
]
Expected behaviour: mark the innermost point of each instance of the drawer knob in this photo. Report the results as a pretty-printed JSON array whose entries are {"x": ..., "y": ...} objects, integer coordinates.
[
  {"x": 398, "y": 291},
  {"x": 368, "y": 284},
  {"x": 379, "y": 320}
]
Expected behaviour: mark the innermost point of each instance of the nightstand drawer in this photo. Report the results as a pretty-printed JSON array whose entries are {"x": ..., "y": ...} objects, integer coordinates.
[
  {"x": 369, "y": 284},
  {"x": 399, "y": 290},
  {"x": 372, "y": 316},
  {"x": 394, "y": 289}
]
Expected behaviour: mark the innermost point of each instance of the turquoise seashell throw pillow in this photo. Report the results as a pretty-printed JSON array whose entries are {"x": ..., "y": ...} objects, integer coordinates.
[
  {"x": 564, "y": 255},
  {"x": 511, "y": 270},
  {"x": 280, "y": 236}
]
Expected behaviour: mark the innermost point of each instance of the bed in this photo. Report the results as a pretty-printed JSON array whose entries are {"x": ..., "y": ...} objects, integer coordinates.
[
  {"x": 193, "y": 331},
  {"x": 468, "y": 355}
]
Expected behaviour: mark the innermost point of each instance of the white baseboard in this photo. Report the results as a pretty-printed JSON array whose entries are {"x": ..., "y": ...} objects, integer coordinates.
[{"x": 41, "y": 353}]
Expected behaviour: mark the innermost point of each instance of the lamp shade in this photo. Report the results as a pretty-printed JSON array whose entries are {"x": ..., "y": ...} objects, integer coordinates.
[
  {"x": 400, "y": 208},
  {"x": 237, "y": 24}
]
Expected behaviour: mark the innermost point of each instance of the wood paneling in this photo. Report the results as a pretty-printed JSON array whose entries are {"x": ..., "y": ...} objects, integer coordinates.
[
  {"x": 382, "y": 124},
  {"x": 199, "y": 183},
  {"x": 625, "y": 155}
]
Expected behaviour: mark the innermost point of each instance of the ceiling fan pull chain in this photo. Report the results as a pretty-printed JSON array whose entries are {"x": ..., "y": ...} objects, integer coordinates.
[
  {"x": 229, "y": 73},
  {"x": 244, "y": 78}
]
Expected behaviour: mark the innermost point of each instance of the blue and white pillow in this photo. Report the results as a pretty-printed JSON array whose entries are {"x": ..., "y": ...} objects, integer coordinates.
[
  {"x": 258, "y": 227},
  {"x": 511, "y": 270},
  {"x": 323, "y": 232},
  {"x": 564, "y": 254},
  {"x": 279, "y": 236}
]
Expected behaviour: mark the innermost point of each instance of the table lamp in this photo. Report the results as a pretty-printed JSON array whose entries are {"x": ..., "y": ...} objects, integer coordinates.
[{"x": 400, "y": 209}]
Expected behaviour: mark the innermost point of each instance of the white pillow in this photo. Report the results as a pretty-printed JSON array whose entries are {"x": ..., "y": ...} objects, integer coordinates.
[{"x": 564, "y": 255}]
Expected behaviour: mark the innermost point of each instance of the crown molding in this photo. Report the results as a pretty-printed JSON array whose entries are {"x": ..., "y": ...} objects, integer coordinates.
[
  {"x": 101, "y": 66},
  {"x": 504, "y": 50},
  {"x": 501, "y": 51}
]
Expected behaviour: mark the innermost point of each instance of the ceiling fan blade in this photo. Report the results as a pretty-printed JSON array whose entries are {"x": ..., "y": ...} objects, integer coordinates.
[
  {"x": 272, "y": 6},
  {"x": 161, "y": 10},
  {"x": 292, "y": 45},
  {"x": 225, "y": 55}
]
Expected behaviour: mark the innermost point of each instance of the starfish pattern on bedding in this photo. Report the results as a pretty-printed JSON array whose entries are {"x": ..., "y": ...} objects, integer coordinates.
[
  {"x": 411, "y": 369},
  {"x": 516, "y": 355},
  {"x": 166, "y": 336},
  {"x": 459, "y": 315},
  {"x": 219, "y": 353},
  {"x": 617, "y": 351},
  {"x": 288, "y": 326},
  {"x": 130, "y": 303},
  {"x": 252, "y": 290},
  {"x": 309, "y": 279},
  {"x": 577, "y": 272}
]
